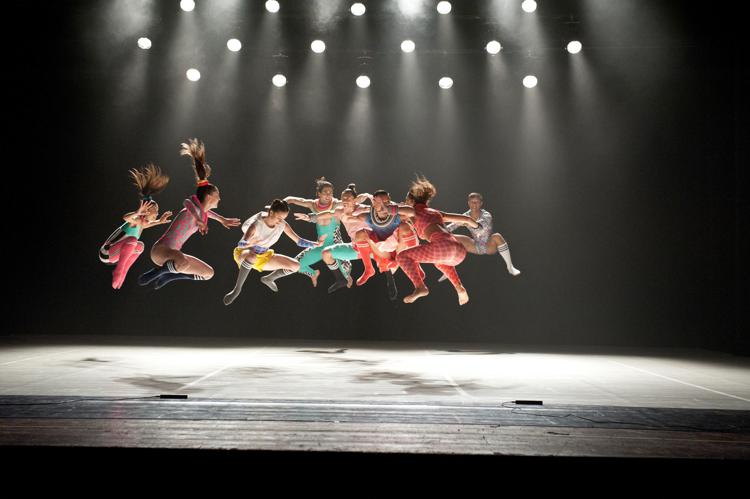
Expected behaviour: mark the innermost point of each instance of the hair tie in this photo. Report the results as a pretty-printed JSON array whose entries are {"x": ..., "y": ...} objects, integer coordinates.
[{"x": 202, "y": 183}]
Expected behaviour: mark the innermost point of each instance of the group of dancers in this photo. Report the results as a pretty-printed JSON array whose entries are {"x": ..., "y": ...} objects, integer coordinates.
[{"x": 382, "y": 234}]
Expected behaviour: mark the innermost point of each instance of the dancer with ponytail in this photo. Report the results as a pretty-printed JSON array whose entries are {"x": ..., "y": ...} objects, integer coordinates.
[
  {"x": 261, "y": 231},
  {"x": 355, "y": 226},
  {"x": 441, "y": 249},
  {"x": 122, "y": 247},
  {"x": 482, "y": 240},
  {"x": 329, "y": 227},
  {"x": 166, "y": 253}
]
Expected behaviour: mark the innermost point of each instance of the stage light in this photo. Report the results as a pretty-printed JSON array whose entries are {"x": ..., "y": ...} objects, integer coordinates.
[
  {"x": 528, "y": 6},
  {"x": 187, "y": 5},
  {"x": 494, "y": 47},
  {"x": 530, "y": 81},
  {"x": 358, "y": 9},
  {"x": 193, "y": 74},
  {"x": 144, "y": 43},
  {"x": 272, "y": 6},
  {"x": 574, "y": 47},
  {"x": 279, "y": 80},
  {"x": 444, "y": 7},
  {"x": 318, "y": 46},
  {"x": 445, "y": 82},
  {"x": 363, "y": 81},
  {"x": 407, "y": 46},
  {"x": 234, "y": 45}
]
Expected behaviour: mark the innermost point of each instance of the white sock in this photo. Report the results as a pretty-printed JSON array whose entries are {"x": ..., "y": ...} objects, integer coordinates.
[{"x": 505, "y": 253}]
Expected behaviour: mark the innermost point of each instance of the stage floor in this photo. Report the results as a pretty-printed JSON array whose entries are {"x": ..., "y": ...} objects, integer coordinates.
[{"x": 347, "y": 396}]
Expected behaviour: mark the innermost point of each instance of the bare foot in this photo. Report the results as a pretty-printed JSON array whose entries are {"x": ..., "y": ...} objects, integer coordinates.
[
  {"x": 417, "y": 294},
  {"x": 463, "y": 296},
  {"x": 314, "y": 278}
]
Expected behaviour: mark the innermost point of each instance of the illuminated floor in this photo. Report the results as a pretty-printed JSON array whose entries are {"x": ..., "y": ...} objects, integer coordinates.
[{"x": 373, "y": 397}]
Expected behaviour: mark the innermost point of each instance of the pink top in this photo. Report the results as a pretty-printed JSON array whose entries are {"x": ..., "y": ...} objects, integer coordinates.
[
  {"x": 424, "y": 217},
  {"x": 351, "y": 224},
  {"x": 185, "y": 224}
]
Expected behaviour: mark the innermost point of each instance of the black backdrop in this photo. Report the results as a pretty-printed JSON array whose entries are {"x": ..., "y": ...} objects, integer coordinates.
[{"x": 618, "y": 181}]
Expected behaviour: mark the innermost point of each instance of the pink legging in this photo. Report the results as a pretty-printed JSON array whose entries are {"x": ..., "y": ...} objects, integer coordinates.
[
  {"x": 125, "y": 252},
  {"x": 443, "y": 250}
]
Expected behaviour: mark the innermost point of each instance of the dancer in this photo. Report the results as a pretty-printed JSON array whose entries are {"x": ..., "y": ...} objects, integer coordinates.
[
  {"x": 441, "y": 248},
  {"x": 482, "y": 240},
  {"x": 262, "y": 230},
  {"x": 385, "y": 219},
  {"x": 172, "y": 263},
  {"x": 122, "y": 247},
  {"x": 355, "y": 226},
  {"x": 329, "y": 227}
]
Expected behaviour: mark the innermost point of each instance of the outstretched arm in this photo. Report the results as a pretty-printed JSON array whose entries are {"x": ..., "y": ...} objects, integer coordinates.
[
  {"x": 303, "y": 243},
  {"x": 163, "y": 219},
  {"x": 314, "y": 217},
  {"x": 226, "y": 222},
  {"x": 306, "y": 203},
  {"x": 460, "y": 219},
  {"x": 361, "y": 198}
]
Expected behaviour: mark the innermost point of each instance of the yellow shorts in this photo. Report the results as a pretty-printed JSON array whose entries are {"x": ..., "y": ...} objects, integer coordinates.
[{"x": 261, "y": 259}]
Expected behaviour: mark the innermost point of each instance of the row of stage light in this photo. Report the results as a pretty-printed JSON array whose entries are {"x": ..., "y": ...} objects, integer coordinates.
[
  {"x": 493, "y": 47},
  {"x": 359, "y": 8}
]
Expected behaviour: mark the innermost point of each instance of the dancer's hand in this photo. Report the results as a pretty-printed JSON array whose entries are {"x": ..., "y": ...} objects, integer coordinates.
[
  {"x": 165, "y": 217},
  {"x": 231, "y": 222},
  {"x": 302, "y": 216},
  {"x": 143, "y": 208},
  {"x": 202, "y": 227},
  {"x": 321, "y": 240}
]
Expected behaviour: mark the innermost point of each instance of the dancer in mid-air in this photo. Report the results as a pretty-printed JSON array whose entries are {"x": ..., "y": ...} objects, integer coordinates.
[
  {"x": 261, "y": 231},
  {"x": 328, "y": 227},
  {"x": 166, "y": 253},
  {"x": 123, "y": 247},
  {"x": 441, "y": 249},
  {"x": 482, "y": 240}
]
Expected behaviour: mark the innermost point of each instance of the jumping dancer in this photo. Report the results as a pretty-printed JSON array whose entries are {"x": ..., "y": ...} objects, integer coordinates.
[
  {"x": 122, "y": 247},
  {"x": 482, "y": 240},
  {"x": 441, "y": 248},
  {"x": 325, "y": 202},
  {"x": 355, "y": 226},
  {"x": 384, "y": 219},
  {"x": 262, "y": 230},
  {"x": 172, "y": 263}
]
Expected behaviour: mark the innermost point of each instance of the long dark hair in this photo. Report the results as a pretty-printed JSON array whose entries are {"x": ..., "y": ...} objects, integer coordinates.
[{"x": 197, "y": 150}]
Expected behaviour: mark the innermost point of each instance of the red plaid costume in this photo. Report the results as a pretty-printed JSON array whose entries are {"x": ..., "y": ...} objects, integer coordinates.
[{"x": 442, "y": 249}]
